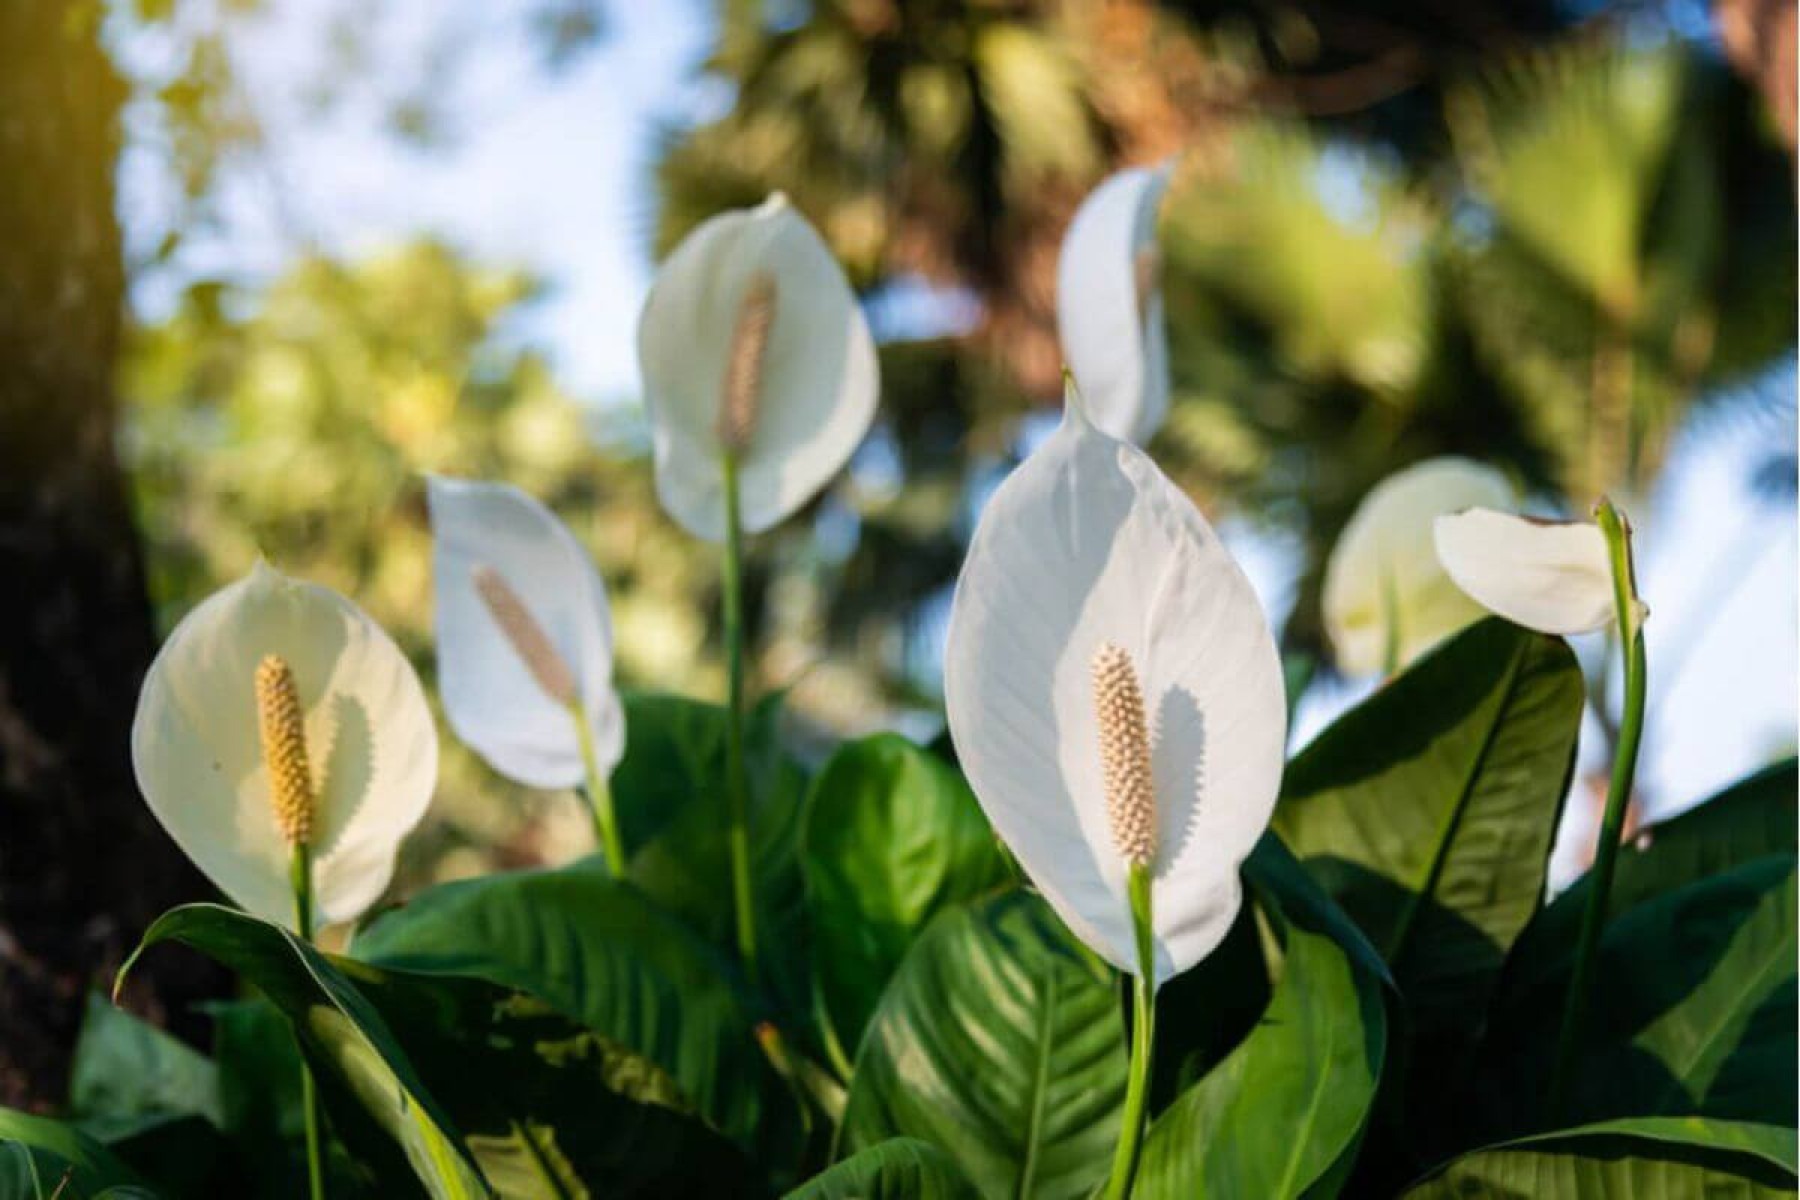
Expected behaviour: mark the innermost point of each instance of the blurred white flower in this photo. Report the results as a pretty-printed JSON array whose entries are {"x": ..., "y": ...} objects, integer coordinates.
[
  {"x": 1387, "y": 599},
  {"x": 366, "y": 745},
  {"x": 1115, "y": 695},
  {"x": 1109, "y": 309},
  {"x": 524, "y": 636},
  {"x": 752, "y": 345},
  {"x": 1551, "y": 576}
]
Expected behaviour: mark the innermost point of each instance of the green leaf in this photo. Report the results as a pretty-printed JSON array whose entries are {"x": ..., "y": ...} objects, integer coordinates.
[
  {"x": 1694, "y": 1003},
  {"x": 1428, "y": 812},
  {"x": 1287, "y": 1109},
  {"x": 670, "y": 792},
  {"x": 128, "y": 1075},
  {"x": 596, "y": 950},
  {"x": 893, "y": 837},
  {"x": 1752, "y": 819},
  {"x": 1721, "y": 1160},
  {"x": 1001, "y": 1042},
  {"x": 342, "y": 1035},
  {"x": 897, "y": 1169},
  {"x": 548, "y": 1108},
  {"x": 38, "y": 1155}
]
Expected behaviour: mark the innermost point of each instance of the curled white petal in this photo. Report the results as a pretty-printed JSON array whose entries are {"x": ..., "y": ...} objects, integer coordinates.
[
  {"x": 1384, "y": 568},
  {"x": 1551, "y": 576},
  {"x": 490, "y": 695},
  {"x": 197, "y": 751},
  {"x": 1088, "y": 543},
  {"x": 819, "y": 380},
  {"x": 1109, "y": 309}
]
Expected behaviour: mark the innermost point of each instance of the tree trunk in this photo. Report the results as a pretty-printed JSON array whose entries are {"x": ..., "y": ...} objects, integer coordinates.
[{"x": 83, "y": 865}]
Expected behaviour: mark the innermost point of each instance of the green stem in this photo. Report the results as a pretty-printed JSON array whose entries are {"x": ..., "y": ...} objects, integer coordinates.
[
  {"x": 1143, "y": 1034},
  {"x": 1618, "y": 798},
  {"x": 737, "y": 782},
  {"x": 300, "y": 875},
  {"x": 598, "y": 794}
]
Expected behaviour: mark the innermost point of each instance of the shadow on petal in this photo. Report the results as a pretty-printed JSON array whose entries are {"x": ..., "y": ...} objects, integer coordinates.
[{"x": 1178, "y": 766}]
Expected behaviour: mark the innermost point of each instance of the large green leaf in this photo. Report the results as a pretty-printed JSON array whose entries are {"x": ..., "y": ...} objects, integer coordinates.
[
  {"x": 897, "y": 1169},
  {"x": 1693, "y": 1003},
  {"x": 128, "y": 1075},
  {"x": 1721, "y": 1160},
  {"x": 549, "y": 1109},
  {"x": 1753, "y": 818},
  {"x": 893, "y": 837},
  {"x": 41, "y": 1158},
  {"x": 670, "y": 791},
  {"x": 1428, "y": 812},
  {"x": 1001, "y": 1042},
  {"x": 343, "y": 1036},
  {"x": 596, "y": 950},
  {"x": 1285, "y": 1111}
]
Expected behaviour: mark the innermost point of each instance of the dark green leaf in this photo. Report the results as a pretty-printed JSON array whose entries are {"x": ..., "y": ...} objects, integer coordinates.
[
  {"x": 37, "y": 1155},
  {"x": 670, "y": 790},
  {"x": 342, "y": 1035},
  {"x": 893, "y": 837},
  {"x": 1720, "y": 1160},
  {"x": 1001, "y": 1042},
  {"x": 897, "y": 1169},
  {"x": 1288, "y": 1107},
  {"x": 596, "y": 950},
  {"x": 548, "y": 1108},
  {"x": 1693, "y": 1004},
  {"x": 1428, "y": 810},
  {"x": 128, "y": 1075}
]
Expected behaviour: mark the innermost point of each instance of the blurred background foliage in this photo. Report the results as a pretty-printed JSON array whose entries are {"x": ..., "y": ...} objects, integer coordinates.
[{"x": 1543, "y": 234}]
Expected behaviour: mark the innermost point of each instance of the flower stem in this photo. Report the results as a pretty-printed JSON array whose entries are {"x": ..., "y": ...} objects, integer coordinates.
[
  {"x": 300, "y": 875},
  {"x": 598, "y": 793},
  {"x": 1618, "y": 796},
  {"x": 1143, "y": 1033},
  {"x": 737, "y": 781}
]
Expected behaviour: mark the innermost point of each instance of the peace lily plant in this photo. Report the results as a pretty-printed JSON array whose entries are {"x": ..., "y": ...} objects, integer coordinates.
[
  {"x": 1109, "y": 308},
  {"x": 1363, "y": 989},
  {"x": 1565, "y": 577},
  {"x": 1117, "y": 704},
  {"x": 284, "y": 742},
  {"x": 760, "y": 381},
  {"x": 1387, "y": 599},
  {"x": 525, "y": 647}
]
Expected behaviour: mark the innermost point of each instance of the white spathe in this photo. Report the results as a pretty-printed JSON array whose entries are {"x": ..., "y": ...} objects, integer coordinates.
[
  {"x": 1088, "y": 543},
  {"x": 1551, "y": 576},
  {"x": 493, "y": 701},
  {"x": 819, "y": 380},
  {"x": 1110, "y": 325},
  {"x": 1386, "y": 559},
  {"x": 197, "y": 750}
]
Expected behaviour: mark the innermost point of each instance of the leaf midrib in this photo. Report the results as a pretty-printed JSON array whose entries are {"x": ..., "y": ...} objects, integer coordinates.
[{"x": 1040, "y": 1084}]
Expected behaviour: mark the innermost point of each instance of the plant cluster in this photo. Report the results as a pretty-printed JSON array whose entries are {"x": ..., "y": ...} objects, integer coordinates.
[{"x": 1104, "y": 939}]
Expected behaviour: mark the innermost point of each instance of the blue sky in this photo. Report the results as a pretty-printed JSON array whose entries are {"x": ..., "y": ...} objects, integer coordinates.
[{"x": 552, "y": 172}]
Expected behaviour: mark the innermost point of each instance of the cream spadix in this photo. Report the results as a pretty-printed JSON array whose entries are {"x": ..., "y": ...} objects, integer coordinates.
[
  {"x": 1387, "y": 599},
  {"x": 524, "y": 635},
  {"x": 752, "y": 344},
  {"x": 278, "y": 713},
  {"x": 1551, "y": 576},
  {"x": 1115, "y": 695},
  {"x": 1109, "y": 309}
]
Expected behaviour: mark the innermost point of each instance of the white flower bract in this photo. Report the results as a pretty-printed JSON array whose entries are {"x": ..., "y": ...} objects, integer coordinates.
[
  {"x": 1085, "y": 546},
  {"x": 197, "y": 750},
  {"x": 817, "y": 378},
  {"x": 1551, "y": 576},
  {"x": 492, "y": 697},
  {"x": 1384, "y": 569},
  {"x": 1109, "y": 308}
]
